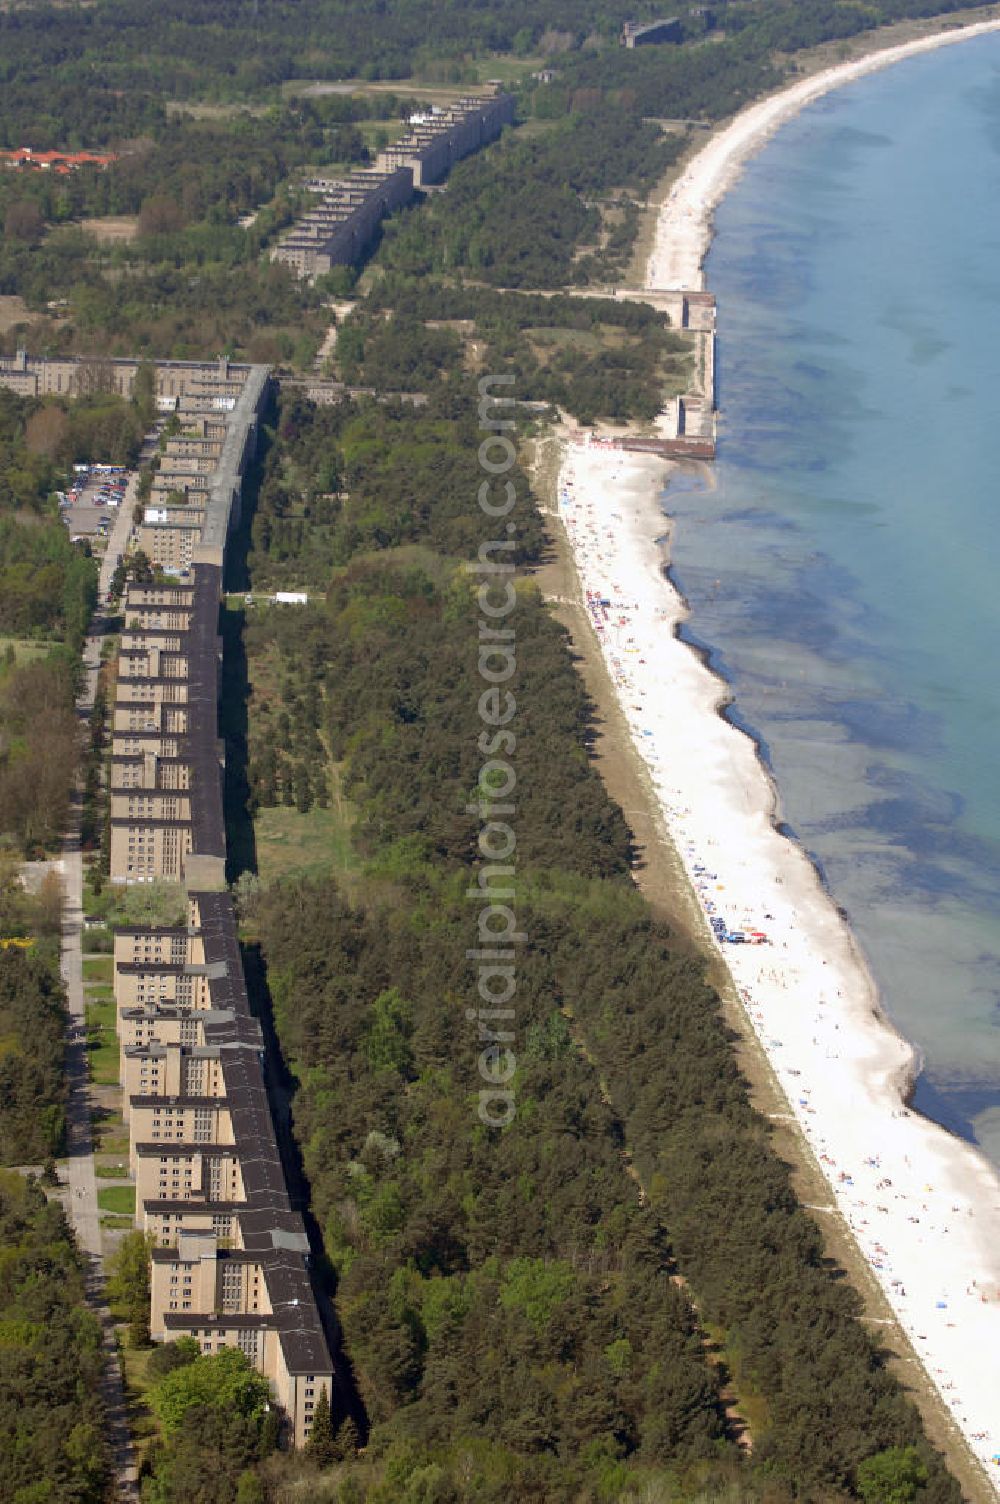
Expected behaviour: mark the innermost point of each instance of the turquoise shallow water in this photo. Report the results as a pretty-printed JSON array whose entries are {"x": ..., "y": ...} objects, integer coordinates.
[{"x": 844, "y": 573}]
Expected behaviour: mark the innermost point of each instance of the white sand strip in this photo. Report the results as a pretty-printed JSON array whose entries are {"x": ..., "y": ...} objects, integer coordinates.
[
  {"x": 924, "y": 1207},
  {"x": 684, "y": 225}
]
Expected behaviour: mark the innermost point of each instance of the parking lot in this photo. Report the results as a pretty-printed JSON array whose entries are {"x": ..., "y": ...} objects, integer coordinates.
[{"x": 90, "y": 505}]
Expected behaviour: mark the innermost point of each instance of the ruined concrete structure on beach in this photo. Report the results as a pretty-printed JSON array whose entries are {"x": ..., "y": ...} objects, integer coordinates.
[
  {"x": 341, "y": 227},
  {"x": 687, "y": 428}
]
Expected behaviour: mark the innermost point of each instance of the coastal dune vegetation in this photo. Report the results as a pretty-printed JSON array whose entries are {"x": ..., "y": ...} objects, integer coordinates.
[{"x": 618, "y": 1292}]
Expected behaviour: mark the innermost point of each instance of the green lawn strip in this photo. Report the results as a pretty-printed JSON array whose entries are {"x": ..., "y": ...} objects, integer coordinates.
[
  {"x": 110, "y": 1137},
  {"x": 111, "y": 1172},
  {"x": 102, "y": 1042},
  {"x": 118, "y": 1199},
  {"x": 98, "y": 904},
  {"x": 98, "y": 968},
  {"x": 101, "y": 1014},
  {"x": 157, "y": 903}
]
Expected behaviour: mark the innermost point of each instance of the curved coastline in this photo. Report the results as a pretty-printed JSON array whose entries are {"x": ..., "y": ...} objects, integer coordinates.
[
  {"x": 684, "y": 225},
  {"x": 922, "y": 1204}
]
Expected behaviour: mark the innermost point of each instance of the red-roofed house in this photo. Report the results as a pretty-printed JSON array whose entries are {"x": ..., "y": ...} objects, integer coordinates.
[{"x": 63, "y": 161}]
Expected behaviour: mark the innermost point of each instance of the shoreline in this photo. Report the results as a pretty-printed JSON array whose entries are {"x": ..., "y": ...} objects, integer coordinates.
[
  {"x": 922, "y": 1204},
  {"x": 684, "y": 226},
  {"x": 905, "y": 1082},
  {"x": 911, "y": 1070}
]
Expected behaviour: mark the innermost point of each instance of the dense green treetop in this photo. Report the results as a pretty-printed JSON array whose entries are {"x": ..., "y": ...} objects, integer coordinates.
[
  {"x": 225, "y": 1380},
  {"x": 52, "y": 1423},
  {"x": 32, "y": 1047}
]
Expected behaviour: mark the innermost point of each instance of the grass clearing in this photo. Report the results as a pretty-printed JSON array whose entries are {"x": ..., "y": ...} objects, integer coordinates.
[
  {"x": 112, "y": 229},
  {"x": 25, "y": 649},
  {"x": 117, "y": 1199},
  {"x": 202, "y": 110},
  {"x": 110, "y": 1172},
  {"x": 403, "y": 88},
  {"x": 161, "y": 902},
  {"x": 310, "y": 845},
  {"x": 379, "y": 133},
  {"x": 506, "y": 68},
  {"x": 13, "y": 311},
  {"x": 288, "y": 842},
  {"x": 98, "y": 969}
]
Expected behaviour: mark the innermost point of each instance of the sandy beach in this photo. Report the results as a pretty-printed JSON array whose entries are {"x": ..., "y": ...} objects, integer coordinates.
[
  {"x": 924, "y": 1207},
  {"x": 684, "y": 224}
]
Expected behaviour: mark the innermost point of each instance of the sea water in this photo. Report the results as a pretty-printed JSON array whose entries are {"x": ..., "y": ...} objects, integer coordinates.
[{"x": 843, "y": 565}]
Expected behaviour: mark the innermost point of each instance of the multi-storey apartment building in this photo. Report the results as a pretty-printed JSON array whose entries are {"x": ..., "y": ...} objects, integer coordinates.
[
  {"x": 342, "y": 225},
  {"x": 141, "y": 984},
  {"x": 231, "y": 1264},
  {"x": 158, "y": 1118},
  {"x": 73, "y": 376},
  {"x": 166, "y": 757},
  {"x": 182, "y": 1073},
  {"x": 186, "y": 1171},
  {"x": 170, "y": 531},
  {"x": 443, "y": 135},
  {"x": 163, "y": 1021},
  {"x": 247, "y": 1288}
]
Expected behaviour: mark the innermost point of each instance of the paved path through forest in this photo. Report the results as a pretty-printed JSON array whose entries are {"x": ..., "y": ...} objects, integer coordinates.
[{"x": 82, "y": 1198}]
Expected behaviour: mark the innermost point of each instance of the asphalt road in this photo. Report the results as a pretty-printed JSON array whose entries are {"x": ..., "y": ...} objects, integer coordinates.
[{"x": 81, "y": 1201}]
